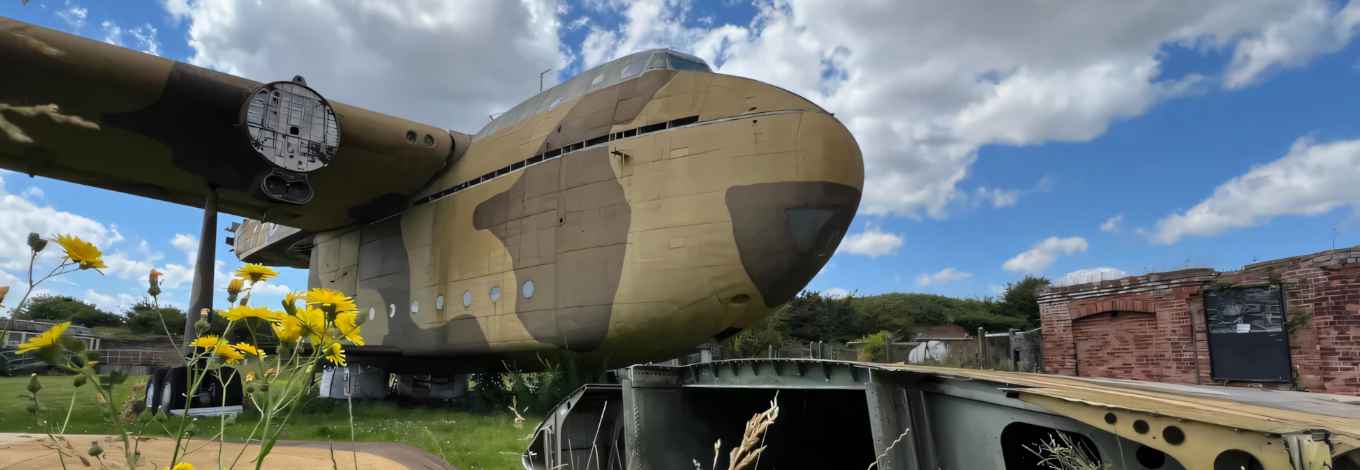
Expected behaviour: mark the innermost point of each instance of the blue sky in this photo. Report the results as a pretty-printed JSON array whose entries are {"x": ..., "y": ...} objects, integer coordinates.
[{"x": 996, "y": 148}]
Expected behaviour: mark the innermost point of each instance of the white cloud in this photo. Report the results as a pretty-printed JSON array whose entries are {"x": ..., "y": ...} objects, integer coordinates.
[
  {"x": 1044, "y": 253},
  {"x": 444, "y": 63},
  {"x": 997, "y": 197},
  {"x": 872, "y": 242},
  {"x": 142, "y": 38},
  {"x": 112, "y": 303},
  {"x": 836, "y": 293},
  {"x": 20, "y": 216},
  {"x": 33, "y": 192},
  {"x": 187, "y": 244},
  {"x": 1313, "y": 29},
  {"x": 1111, "y": 225},
  {"x": 961, "y": 75},
  {"x": 74, "y": 16},
  {"x": 1312, "y": 178},
  {"x": 271, "y": 289},
  {"x": 942, "y": 276},
  {"x": 1082, "y": 276}
]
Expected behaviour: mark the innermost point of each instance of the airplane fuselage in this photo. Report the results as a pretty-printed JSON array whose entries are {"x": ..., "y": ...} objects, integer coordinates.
[{"x": 627, "y": 220}]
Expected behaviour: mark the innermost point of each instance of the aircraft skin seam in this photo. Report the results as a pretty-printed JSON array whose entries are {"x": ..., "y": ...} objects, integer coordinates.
[{"x": 562, "y": 151}]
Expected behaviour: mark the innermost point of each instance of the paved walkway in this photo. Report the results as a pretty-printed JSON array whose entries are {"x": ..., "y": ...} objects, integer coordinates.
[{"x": 33, "y": 451}]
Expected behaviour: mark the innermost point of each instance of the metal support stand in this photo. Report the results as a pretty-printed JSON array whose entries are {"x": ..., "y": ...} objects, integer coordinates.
[{"x": 200, "y": 295}]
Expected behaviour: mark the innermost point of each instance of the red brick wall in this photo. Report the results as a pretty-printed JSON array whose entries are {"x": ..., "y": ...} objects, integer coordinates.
[
  {"x": 1117, "y": 345},
  {"x": 1080, "y": 335}
]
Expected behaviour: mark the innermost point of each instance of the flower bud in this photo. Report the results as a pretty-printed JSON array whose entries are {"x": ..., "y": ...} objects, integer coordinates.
[
  {"x": 264, "y": 387},
  {"x": 36, "y": 242},
  {"x": 78, "y": 381},
  {"x": 95, "y": 450},
  {"x": 33, "y": 385},
  {"x": 201, "y": 326}
]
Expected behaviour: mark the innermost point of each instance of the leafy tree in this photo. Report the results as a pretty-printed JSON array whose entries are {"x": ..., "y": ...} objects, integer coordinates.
[
  {"x": 814, "y": 317},
  {"x": 756, "y": 340},
  {"x": 991, "y": 322},
  {"x": 1021, "y": 299},
  {"x": 874, "y": 347},
  {"x": 62, "y": 308},
  {"x": 145, "y": 318}
]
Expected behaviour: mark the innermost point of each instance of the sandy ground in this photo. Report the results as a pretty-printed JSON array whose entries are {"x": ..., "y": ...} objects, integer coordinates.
[{"x": 34, "y": 451}]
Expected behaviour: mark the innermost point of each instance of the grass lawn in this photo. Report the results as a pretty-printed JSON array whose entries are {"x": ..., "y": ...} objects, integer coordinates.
[{"x": 466, "y": 439}]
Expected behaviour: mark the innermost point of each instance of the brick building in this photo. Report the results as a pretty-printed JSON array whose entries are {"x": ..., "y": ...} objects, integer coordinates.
[{"x": 1289, "y": 323}]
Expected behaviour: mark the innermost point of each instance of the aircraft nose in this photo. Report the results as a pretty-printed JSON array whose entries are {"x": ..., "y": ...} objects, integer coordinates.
[{"x": 787, "y": 230}]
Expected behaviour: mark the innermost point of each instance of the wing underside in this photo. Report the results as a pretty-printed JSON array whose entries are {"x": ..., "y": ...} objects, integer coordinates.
[{"x": 100, "y": 115}]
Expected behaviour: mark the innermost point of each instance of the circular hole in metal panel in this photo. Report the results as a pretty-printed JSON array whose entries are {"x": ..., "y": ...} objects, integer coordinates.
[
  {"x": 1233, "y": 459},
  {"x": 1140, "y": 426},
  {"x": 527, "y": 289},
  {"x": 495, "y": 293},
  {"x": 467, "y": 299},
  {"x": 1173, "y": 435},
  {"x": 1110, "y": 418},
  {"x": 1150, "y": 458}
]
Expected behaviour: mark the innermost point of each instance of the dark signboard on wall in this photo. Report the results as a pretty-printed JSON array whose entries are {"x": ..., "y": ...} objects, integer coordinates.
[{"x": 1247, "y": 337}]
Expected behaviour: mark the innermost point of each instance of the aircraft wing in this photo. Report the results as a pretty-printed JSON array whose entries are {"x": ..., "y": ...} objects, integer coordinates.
[{"x": 101, "y": 115}]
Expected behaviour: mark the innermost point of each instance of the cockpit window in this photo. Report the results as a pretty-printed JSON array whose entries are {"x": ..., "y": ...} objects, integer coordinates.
[
  {"x": 682, "y": 63},
  {"x": 658, "y": 61},
  {"x": 634, "y": 67}
]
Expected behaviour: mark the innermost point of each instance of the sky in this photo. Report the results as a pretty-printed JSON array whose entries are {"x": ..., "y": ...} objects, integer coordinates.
[{"x": 1076, "y": 142}]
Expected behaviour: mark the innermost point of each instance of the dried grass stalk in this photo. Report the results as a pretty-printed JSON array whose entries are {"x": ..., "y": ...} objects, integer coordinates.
[
  {"x": 51, "y": 111},
  {"x": 1061, "y": 452},
  {"x": 745, "y": 456}
]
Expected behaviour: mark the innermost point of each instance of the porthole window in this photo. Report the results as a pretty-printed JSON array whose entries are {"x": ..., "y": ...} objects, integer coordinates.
[
  {"x": 415, "y": 307},
  {"x": 495, "y": 293},
  {"x": 439, "y": 302},
  {"x": 527, "y": 290},
  {"x": 467, "y": 299},
  {"x": 371, "y": 313}
]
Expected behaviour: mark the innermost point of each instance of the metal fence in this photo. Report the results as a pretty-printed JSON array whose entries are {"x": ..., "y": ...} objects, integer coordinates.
[{"x": 1012, "y": 350}]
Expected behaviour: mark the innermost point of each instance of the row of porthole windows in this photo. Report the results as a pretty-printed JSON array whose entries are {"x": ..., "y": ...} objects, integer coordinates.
[{"x": 526, "y": 289}]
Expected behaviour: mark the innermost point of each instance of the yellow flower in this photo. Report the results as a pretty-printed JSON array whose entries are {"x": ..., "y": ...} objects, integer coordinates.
[
  {"x": 249, "y": 350},
  {"x": 234, "y": 287},
  {"x": 228, "y": 353},
  {"x": 287, "y": 329},
  {"x": 81, "y": 252},
  {"x": 335, "y": 354},
  {"x": 348, "y": 324},
  {"x": 240, "y": 312},
  {"x": 256, "y": 272},
  {"x": 48, "y": 339},
  {"x": 205, "y": 342},
  {"x": 290, "y": 302},
  {"x": 330, "y": 300},
  {"x": 181, "y": 466},
  {"x": 313, "y": 323}
]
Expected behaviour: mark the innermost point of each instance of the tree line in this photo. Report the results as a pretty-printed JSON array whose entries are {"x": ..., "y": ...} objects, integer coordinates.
[
  {"x": 142, "y": 317},
  {"x": 812, "y": 316}
]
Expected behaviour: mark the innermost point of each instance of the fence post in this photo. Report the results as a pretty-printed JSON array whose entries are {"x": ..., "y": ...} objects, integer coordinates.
[{"x": 982, "y": 347}]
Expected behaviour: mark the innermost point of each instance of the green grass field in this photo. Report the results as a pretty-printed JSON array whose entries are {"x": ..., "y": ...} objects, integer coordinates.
[{"x": 467, "y": 440}]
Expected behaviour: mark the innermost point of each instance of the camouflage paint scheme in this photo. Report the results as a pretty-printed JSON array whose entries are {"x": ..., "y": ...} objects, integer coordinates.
[{"x": 638, "y": 247}]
